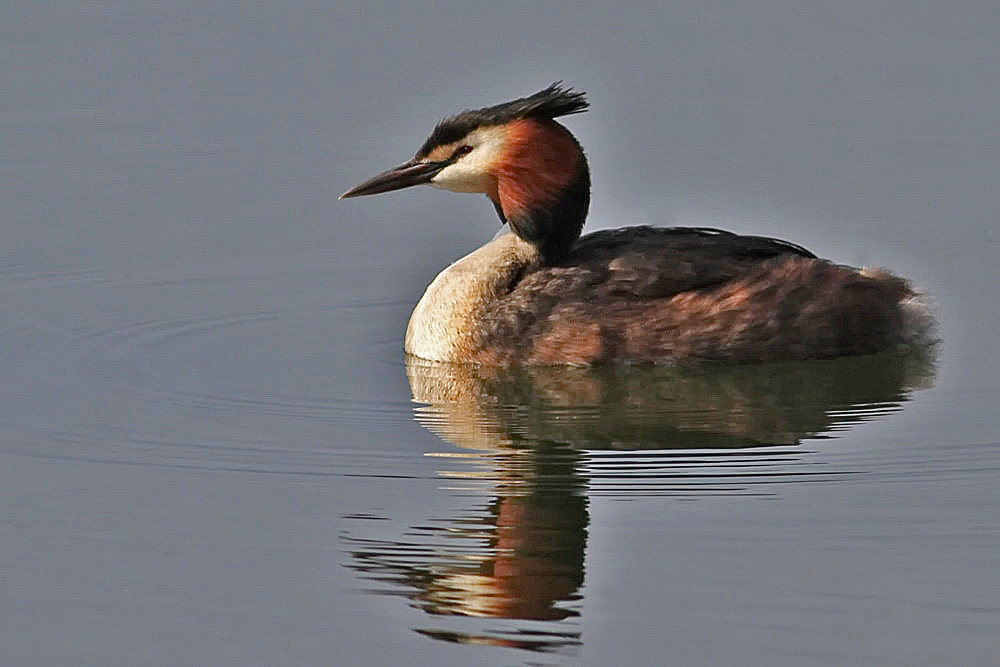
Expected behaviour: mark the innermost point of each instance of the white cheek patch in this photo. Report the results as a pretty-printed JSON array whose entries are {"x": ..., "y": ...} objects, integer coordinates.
[
  {"x": 461, "y": 177},
  {"x": 473, "y": 172}
]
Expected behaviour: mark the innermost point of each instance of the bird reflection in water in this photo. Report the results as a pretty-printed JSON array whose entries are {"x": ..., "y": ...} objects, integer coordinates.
[{"x": 541, "y": 441}]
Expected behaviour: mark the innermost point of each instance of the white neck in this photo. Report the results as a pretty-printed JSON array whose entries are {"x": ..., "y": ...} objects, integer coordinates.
[{"x": 444, "y": 325}]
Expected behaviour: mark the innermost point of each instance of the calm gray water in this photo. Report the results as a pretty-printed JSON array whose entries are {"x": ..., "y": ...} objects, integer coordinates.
[{"x": 214, "y": 453}]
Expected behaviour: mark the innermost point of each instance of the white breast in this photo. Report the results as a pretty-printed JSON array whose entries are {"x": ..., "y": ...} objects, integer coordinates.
[{"x": 444, "y": 325}]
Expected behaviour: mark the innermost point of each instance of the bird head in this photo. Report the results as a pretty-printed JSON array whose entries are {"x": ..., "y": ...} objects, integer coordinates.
[{"x": 515, "y": 153}]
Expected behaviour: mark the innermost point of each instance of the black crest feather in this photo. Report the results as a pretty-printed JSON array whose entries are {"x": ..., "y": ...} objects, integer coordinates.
[{"x": 552, "y": 102}]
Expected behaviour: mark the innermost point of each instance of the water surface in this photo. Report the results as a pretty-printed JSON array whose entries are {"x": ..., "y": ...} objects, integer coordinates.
[{"x": 214, "y": 451}]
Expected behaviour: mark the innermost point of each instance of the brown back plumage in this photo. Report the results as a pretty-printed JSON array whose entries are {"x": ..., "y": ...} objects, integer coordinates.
[{"x": 646, "y": 294}]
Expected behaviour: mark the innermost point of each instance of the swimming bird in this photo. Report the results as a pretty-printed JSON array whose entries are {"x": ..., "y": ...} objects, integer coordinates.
[{"x": 540, "y": 294}]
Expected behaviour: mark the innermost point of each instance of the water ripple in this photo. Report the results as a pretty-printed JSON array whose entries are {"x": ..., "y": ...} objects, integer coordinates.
[{"x": 200, "y": 369}]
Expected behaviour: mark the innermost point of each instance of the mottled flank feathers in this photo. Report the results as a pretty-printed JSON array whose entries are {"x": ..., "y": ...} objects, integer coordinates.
[{"x": 652, "y": 295}]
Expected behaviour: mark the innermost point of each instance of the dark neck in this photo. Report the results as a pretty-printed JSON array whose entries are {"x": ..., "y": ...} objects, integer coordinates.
[{"x": 554, "y": 227}]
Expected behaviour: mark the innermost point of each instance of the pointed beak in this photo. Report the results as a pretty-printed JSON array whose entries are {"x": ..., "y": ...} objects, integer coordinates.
[{"x": 414, "y": 172}]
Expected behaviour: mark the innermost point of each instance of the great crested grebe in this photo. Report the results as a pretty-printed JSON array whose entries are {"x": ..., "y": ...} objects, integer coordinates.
[{"x": 543, "y": 295}]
